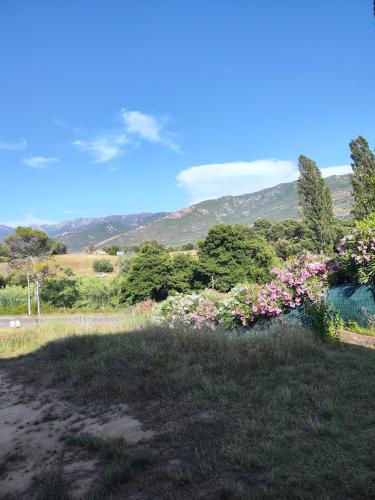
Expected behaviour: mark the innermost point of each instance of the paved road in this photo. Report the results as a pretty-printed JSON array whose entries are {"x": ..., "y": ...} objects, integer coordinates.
[{"x": 83, "y": 319}]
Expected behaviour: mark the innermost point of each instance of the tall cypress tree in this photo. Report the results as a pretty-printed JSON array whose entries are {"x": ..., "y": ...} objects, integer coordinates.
[
  {"x": 363, "y": 178},
  {"x": 316, "y": 202}
]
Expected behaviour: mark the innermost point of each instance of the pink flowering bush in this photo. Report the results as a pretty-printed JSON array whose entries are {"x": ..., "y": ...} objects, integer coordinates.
[
  {"x": 304, "y": 279},
  {"x": 357, "y": 252}
]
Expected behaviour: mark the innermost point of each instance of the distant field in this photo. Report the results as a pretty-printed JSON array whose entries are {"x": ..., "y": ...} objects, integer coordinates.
[{"x": 80, "y": 263}]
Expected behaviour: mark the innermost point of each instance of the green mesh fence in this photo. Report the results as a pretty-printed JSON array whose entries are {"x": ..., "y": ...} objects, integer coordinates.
[{"x": 353, "y": 302}]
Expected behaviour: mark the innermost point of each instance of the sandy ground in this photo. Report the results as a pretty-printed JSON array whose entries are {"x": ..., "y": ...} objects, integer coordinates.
[{"x": 31, "y": 429}]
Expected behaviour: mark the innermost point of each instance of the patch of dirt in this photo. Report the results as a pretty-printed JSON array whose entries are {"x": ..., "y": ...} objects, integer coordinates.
[
  {"x": 31, "y": 437},
  {"x": 357, "y": 339}
]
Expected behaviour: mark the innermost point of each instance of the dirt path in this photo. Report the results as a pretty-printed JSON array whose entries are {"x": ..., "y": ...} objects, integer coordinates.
[
  {"x": 356, "y": 339},
  {"x": 32, "y": 426}
]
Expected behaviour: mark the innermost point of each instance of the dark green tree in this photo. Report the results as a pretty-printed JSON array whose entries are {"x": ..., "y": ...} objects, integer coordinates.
[
  {"x": 187, "y": 246},
  {"x": 60, "y": 291},
  {"x": 102, "y": 266},
  {"x": 112, "y": 250},
  {"x": 185, "y": 273},
  {"x": 26, "y": 250},
  {"x": 58, "y": 247},
  {"x": 148, "y": 276},
  {"x": 316, "y": 203},
  {"x": 363, "y": 178},
  {"x": 232, "y": 254}
]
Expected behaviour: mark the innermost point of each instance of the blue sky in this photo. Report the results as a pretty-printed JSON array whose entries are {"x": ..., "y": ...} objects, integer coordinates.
[{"x": 105, "y": 106}]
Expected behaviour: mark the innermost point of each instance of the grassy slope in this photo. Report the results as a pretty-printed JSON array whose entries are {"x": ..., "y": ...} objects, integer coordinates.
[{"x": 272, "y": 416}]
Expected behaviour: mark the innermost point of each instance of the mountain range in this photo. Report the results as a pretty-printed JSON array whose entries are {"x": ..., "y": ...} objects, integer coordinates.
[{"x": 192, "y": 223}]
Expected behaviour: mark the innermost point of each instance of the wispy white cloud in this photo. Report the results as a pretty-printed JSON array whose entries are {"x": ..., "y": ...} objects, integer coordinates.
[
  {"x": 40, "y": 162},
  {"x": 103, "y": 148},
  {"x": 149, "y": 128},
  {"x": 14, "y": 146},
  {"x": 213, "y": 180},
  {"x": 136, "y": 127},
  {"x": 338, "y": 170},
  {"x": 28, "y": 220}
]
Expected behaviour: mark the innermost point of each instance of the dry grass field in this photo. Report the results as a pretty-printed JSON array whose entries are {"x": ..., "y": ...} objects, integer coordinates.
[{"x": 80, "y": 263}]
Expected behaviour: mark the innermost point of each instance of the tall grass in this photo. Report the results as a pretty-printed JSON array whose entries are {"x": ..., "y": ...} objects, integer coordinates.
[
  {"x": 15, "y": 342},
  {"x": 13, "y": 296},
  {"x": 275, "y": 414}
]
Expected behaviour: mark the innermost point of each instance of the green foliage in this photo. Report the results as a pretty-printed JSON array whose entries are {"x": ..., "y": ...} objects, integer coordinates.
[
  {"x": 57, "y": 247},
  {"x": 184, "y": 273},
  {"x": 316, "y": 203},
  {"x": 112, "y": 250},
  {"x": 96, "y": 293},
  {"x": 232, "y": 254},
  {"x": 323, "y": 321},
  {"x": 290, "y": 238},
  {"x": 363, "y": 178},
  {"x": 26, "y": 242},
  {"x": 149, "y": 275},
  {"x": 13, "y": 296},
  {"x": 102, "y": 266},
  {"x": 3, "y": 282},
  {"x": 187, "y": 246},
  {"x": 3, "y": 251},
  {"x": 60, "y": 291},
  {"x": 357, "y": 252}
]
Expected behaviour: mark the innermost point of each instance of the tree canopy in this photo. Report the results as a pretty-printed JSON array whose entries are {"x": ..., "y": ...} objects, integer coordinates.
[
  {"x": 316, "y": 203},
  {"x": 232, "y": 254},
  {"x": 363, "y": 178}
]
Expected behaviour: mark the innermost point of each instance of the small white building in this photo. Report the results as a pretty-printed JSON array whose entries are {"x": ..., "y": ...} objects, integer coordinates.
[{"x": 120, "y": 254}]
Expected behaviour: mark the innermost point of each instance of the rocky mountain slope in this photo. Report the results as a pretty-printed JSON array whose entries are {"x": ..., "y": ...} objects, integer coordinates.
[
  {"x": 192, "y": 223},
  {"x": 78, "y": 233}
]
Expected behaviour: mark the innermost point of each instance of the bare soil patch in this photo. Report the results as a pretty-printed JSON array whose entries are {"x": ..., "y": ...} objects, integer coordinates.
[{"x": 32, "y": 432}]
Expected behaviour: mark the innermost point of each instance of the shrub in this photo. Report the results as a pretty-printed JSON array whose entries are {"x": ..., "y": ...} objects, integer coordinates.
[
  {"x": 95, "y": 293},
  {"x": 60, "y": 292},
  {"x": 357, "y": 252},
  {"x": 187, "y": 246},
  {"x": 303, "y": 280},
  {"x": 323, "y": 321},
  {"x": 102, "y": 266}
]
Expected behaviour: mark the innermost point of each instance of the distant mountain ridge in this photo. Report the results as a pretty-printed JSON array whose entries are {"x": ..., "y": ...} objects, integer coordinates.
[
  {"x": 192, "y": 223},
  {"x": 78, "y": 233}
]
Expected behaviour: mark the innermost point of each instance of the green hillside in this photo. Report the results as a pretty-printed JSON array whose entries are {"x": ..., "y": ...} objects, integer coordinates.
[{"x": 192, "y": 223}]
